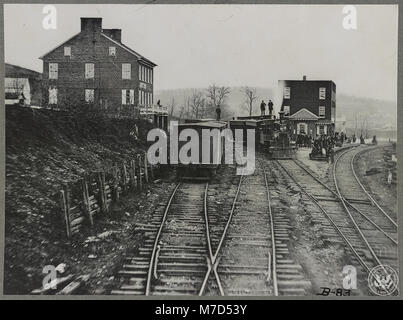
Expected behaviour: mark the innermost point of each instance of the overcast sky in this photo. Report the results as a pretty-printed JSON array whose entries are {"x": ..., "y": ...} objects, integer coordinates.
[{"x": 233, "y": 45}]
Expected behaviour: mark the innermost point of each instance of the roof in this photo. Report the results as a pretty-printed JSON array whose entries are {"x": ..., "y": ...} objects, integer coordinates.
[
  {"x": 137, "y": 55},
  {"x": 303, "y": 114},
  {"x": 124, "y": 47},
  {"x": 14, "y": 71},
  {"x": 204, "y": 124},
  {"x": 248, "y": 122}
]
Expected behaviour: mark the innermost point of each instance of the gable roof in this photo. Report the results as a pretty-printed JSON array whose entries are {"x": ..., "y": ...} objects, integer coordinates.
[
  {"x": 58, "y": 46},
  {"x": 303, "y": 114},
  {"x": 124, "y": 47},
  {"x": 137, "y": 55}
]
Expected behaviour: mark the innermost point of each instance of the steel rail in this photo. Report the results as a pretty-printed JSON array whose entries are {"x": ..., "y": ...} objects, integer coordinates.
[
  {"x": 349, "y": 212},
  {"x": 297, "y": 162},
  {"x": 155, "y": 247},
  {"x": 365, "y": 190},
  {"x": 273, "y": 242},
  {"x": 214, "y": 261},
  {"x": 210, "y": 260},
  {"x": 362, "y": 262}
]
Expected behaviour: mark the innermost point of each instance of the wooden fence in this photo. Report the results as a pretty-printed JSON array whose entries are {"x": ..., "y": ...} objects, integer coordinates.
[{"x": 82, "y": 202}]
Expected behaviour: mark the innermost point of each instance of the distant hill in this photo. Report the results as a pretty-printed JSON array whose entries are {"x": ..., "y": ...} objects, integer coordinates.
[{"x": 380, "y": 114}]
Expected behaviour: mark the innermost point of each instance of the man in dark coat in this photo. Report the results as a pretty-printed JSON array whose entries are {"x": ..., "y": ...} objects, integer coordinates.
[
  {"x": 218, "y": 112},
  {"x": 270, "y": 105},
  {"x": 262, "y": 108}
]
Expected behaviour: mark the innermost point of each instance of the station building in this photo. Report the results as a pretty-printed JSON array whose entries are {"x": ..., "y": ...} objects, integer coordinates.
[{"x": 309, "y": 105}]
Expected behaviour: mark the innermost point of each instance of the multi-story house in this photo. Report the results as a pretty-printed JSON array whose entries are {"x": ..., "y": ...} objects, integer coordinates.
[
  {"x": 94, "y": 67},
  {"x": 309, "y": 105}
]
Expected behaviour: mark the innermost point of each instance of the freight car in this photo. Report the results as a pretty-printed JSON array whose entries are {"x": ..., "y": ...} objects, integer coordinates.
[{"x": 192, "y": 162}]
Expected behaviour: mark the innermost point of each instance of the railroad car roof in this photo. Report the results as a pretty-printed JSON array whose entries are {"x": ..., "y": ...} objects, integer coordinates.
[
  {"x": 249, "y": 122},
  {"x": 204, "y": 124}
]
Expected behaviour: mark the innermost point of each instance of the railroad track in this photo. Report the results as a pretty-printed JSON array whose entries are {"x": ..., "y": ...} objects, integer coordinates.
[
  {"x": 346, "y": 182},
  {"x": 353, "y": 219},
  {"x": 194, "y": 249},
  {"x": 252, "y": 255},
  {"x": 173, "y": 258}
]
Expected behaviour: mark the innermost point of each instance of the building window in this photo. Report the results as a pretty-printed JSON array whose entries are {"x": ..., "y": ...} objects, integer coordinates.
[
  {"x": 126, "y": 71},
  {"x": 67, "y": 51},
  {"x": 89, "y": 70},
  {"x": 143, "y": 71},
  {"x": 112, "y": 51},
  {"x": 152, "y": 75},
  {"x": 53, "y": 71},
  {"x": 322, "y": 111},
  {"x": 322, "y": 93},
  {"x": 286, "y": 110},
  {"x": 302, "y": 128},
  {"x": 52, "y": 95},
  {"x": 127, "y": 96},
  {"x": 287, "y": 92},
  {"x": 321, "y": 129},
  {"x": 89, "y": 95},
  {"x": 140, "y": 72}
]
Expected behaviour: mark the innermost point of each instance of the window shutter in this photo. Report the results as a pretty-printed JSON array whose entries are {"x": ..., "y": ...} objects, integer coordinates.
[
  {"x": 112, "y": 51},
  {"x": 89, "y": 70},
  {"x": 123, "y": 96},
  {"x": 322, "y": 93},
  {"x": 67, "y": 51},
  {"x": 53, "y": 70},
  {"x": 131, "y": 96},
  {"x": 89, "y": 95},
  {"x": 126, "y": 71},
  {"x": 52, "y": 95},
  {"x": 287, "y": 92}
]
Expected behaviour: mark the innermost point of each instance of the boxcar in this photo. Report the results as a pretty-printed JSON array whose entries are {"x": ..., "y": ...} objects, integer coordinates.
[{"x": 201, "y": 169}]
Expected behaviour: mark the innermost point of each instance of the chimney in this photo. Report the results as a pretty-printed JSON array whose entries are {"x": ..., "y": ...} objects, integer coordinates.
[
  {"x": 115, "y": 34},
  {"x": 304, "y": 78},
  {"x": 91, "y": 24}
]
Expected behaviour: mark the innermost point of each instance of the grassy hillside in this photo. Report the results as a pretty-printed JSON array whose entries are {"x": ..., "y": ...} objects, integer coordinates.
[{"x": 45, "y": 149}]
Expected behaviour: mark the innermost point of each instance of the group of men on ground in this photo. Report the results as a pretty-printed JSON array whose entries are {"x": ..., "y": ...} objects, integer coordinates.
[{"x": 263, "y": 107}]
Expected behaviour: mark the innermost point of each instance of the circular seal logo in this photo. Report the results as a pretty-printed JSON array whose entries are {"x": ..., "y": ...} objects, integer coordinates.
[{"x": 383, "y": 280}]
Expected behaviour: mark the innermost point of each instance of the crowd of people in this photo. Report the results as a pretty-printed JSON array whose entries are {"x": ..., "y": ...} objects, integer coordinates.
[{"x": 324, "y": 145}]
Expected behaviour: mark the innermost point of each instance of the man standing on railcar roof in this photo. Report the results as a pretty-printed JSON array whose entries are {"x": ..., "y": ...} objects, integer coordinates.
[
  {"x": 218, "y": 112},
  {"x": 262, "y": 108},
  {"x": 270, "y": 105}
]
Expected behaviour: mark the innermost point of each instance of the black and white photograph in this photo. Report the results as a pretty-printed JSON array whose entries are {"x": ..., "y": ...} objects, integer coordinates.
[{"x": 201, "y": 150}]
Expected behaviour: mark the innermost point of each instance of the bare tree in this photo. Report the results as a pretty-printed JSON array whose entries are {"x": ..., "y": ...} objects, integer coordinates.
[
  {"x": 216, "y": 97},
  {"x": 250, "y": 97},
  {"x": 197, "y": 103},
  {"x": 172, "y": 106}
]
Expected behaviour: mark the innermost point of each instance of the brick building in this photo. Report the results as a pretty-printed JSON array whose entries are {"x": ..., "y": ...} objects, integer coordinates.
[
  {"x": 94, "y": 67},
  {"x": 310, "y": 105}
]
